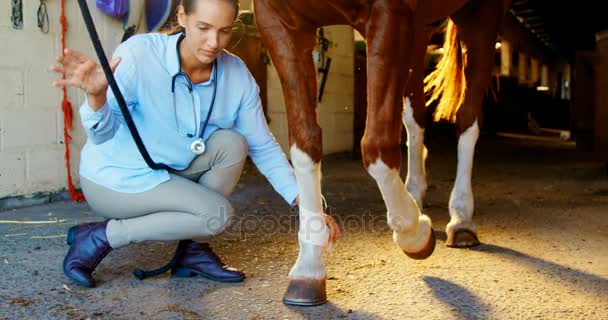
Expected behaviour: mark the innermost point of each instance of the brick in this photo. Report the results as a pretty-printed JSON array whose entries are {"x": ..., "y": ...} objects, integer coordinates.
[
  {"x": 27, "y": 129},
  {"x": 12, "y": 173},
  {"x": 38, "y": 92},
  {"x": 11, "y": 88},
  {"x": 45, "y": 169},
  {"x": 28, "y": 48},
  {"x": 5, "y": 17}
]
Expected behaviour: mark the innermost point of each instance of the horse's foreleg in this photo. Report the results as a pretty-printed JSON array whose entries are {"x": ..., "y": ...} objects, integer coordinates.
[
  {"x": 291, "y": 53},
  {"x": 380, "y": 145}
]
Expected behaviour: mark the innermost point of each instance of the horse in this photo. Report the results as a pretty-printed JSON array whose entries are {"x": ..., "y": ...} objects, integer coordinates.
[{"x": 397, "y": 33}]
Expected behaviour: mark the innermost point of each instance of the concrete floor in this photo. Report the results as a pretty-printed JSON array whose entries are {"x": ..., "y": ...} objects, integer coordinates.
[{"x": 541, "y": 207}]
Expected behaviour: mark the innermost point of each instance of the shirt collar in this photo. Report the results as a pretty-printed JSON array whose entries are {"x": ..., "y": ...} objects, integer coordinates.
[
  {"x": 171, "y": 54},
  {"x": 172, "y": 62}
]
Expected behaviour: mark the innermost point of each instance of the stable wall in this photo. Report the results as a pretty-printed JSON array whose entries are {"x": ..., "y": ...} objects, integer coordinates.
[{"x": 31, "y": 121}]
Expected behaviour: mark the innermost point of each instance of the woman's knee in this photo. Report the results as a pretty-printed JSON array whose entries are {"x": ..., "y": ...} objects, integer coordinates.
[{"x": 233, "y": 144}]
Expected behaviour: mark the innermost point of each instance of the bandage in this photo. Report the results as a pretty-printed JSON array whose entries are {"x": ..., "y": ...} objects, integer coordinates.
[{"x": 313, "y": 229}]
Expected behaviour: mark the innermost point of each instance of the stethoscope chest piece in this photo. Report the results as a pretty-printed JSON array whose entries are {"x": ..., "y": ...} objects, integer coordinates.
[{"x": 198, "y": 147}]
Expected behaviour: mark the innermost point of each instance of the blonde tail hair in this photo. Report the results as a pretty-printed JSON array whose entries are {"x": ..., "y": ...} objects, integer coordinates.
[{"x": 447, "y": 83}]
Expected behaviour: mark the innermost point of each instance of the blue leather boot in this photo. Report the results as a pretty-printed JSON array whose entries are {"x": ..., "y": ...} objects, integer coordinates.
[
  {"x": 198, "y": 259},
  {"x": 88, "y": 246}
]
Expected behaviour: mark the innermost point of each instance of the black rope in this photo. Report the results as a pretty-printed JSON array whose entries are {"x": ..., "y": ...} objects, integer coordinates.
[
  {"x": 43, "y": 17},
  {"x": 86, "y": 15},
  {"x": 142, "y": 274}
]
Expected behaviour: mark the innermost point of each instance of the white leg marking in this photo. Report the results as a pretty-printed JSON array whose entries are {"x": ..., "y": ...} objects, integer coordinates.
[
  {"x": 411, "y": 229},
  {"x": 415, "y": 181},
  {"x": 461, "y": 199},
  {"x": 313, "y": 234}
]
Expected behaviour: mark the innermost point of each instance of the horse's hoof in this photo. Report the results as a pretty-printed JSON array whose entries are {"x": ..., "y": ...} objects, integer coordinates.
[
  {"x": 462, "y": 238},
  {"x": 426, "y": 251},
  {"x": 309, "y": 292}
]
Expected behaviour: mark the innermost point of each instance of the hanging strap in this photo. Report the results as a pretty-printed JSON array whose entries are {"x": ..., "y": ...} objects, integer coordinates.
[{"x": 103, "y": 60}]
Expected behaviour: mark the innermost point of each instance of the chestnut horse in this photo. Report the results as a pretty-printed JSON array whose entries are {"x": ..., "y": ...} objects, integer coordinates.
[{"x": 397, "y": 33}]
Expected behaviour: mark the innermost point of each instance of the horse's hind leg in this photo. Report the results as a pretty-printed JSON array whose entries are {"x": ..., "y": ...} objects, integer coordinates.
[
  {"x": 291, "y": 53},
  {"x": 480, "y": 42},
  {"x": 414, "y": 119},
  {"x": 387, "y": 54}
]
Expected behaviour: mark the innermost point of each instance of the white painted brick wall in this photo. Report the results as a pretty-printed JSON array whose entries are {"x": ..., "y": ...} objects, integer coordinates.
[
  {"x": 11, "y": 87},
  {"x": 26, "y": 129},
  {"x": 37, "y": 90},
  {"x": 31, "y": 120},
  {"x": 5, "y": 18},
  {"x": 45, "y": 167},
  {"x": 12, "y": 172}
]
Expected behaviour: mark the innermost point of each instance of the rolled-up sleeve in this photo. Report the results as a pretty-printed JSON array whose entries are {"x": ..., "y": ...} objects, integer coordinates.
[
  {"x": 264, "y": 150},
  {"x": 101, "y": 125}
]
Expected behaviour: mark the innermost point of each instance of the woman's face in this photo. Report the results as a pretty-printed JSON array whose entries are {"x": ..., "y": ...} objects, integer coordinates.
[{"x": 208, "y": 28}]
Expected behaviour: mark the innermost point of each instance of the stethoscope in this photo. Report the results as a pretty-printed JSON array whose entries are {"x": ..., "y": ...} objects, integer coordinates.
[{"x": 198, "y": 146}]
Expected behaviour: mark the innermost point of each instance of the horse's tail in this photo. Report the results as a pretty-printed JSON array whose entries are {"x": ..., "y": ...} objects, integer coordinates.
[{"x": 447, "y": 82}]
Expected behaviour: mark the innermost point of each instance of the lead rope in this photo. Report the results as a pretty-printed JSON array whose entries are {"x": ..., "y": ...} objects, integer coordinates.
[
  {"x": 103, "y": 61},
  {"x": 66, "y": 107}
]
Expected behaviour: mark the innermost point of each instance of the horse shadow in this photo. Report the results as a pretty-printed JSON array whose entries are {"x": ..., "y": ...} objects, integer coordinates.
[
  {"x": 587, "y": 281},
  {"x": 465, "y": 304}
]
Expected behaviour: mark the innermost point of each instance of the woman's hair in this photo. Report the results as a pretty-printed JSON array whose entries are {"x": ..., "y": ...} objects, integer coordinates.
[{"x": 189, "y": 6}]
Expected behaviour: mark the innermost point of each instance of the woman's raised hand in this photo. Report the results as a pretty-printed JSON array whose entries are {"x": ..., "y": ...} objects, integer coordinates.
[{"x": 84, "y": 73}]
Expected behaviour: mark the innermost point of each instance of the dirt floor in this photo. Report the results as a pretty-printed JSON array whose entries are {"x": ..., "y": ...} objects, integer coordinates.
[{"x": 541, "y": 207}]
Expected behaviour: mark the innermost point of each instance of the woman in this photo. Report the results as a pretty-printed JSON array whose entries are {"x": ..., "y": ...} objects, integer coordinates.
[{"x": 223, "y": 109}]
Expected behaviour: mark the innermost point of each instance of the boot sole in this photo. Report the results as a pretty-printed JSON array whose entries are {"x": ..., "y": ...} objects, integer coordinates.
[
  {"x": 188, "y": 273},
  {"x": 86, "y": 285}
]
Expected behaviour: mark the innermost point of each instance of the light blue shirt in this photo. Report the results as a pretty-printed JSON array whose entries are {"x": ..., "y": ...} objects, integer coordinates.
[{"x": 110, "y": 156}]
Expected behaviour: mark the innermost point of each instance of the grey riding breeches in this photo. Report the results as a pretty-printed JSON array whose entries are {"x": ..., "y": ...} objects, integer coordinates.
[{"x": 192, "y": 204}]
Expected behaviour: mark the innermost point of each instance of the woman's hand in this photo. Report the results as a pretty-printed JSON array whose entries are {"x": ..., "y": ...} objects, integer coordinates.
[
  {"x": 84, "y": 73},
  {"x": 334, "y": 230}
]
